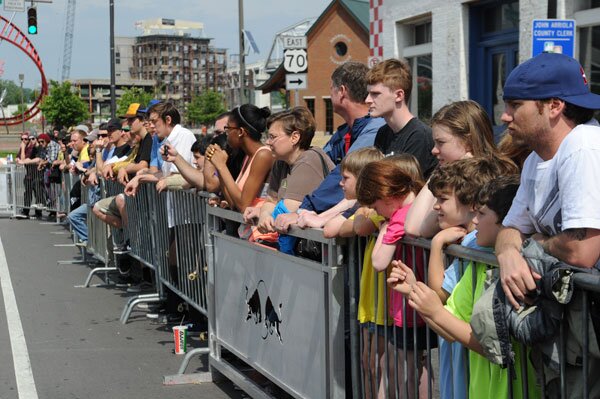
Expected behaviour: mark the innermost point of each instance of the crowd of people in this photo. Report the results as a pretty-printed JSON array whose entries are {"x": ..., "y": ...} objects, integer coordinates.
[{"x": 385, "y": 175}]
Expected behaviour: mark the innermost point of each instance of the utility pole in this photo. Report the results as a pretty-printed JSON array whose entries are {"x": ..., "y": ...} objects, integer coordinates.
[
  {"x": 21, "y": 79},
  {"x": 242, "y": 53},
  {"x": 113, "y": 88}
]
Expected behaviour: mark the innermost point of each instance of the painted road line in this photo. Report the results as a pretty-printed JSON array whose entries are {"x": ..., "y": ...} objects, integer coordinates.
[{"x": 24, "y": 376}]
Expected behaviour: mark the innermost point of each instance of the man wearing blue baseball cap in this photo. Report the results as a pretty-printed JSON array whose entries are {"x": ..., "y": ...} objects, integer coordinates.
[{"x": 550, "y": 108}]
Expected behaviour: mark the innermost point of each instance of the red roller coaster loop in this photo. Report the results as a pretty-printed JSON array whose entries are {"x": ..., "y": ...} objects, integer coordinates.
[{"x": 12, "y": 34}]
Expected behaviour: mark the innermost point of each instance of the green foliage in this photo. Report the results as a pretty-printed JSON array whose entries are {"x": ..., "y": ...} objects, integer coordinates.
[
  {"x": 133, "y": 95},
  {"x": 62, "y": 106},
  {"x": 205, "y": 108},
  {"x": 20, "y": 109},
  {"x": 13, "y": 93}
]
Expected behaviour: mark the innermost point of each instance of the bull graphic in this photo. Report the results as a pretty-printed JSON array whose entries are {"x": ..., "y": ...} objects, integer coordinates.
[{"x": 269, "y": 316}]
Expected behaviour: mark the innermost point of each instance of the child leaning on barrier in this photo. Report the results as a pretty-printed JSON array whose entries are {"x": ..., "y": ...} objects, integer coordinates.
[
  {"x": 486, "y": 379},
  {"x": 339, "y": 224},
  {"x": 455, "y": 187},
  {"x": 389, "y": 186},
  {"x": 350, "y": 168}
]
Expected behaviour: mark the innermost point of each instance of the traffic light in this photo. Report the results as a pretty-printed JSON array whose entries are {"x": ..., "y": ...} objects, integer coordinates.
[{"x": 32, "y": 27}]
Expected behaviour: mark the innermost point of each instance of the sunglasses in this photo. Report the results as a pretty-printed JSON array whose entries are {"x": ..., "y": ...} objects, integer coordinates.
[
  {"x": 31, "y": 138},
  {"x": 103, "y": 135},
  {"x": 24, "y": 138}
]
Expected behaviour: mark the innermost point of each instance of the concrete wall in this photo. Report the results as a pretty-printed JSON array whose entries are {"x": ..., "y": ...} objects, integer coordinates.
[{"x": 450, "y": 37}]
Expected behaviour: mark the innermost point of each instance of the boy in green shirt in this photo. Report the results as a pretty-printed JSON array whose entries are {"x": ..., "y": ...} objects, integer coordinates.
[{"x": 486, "y": 379}]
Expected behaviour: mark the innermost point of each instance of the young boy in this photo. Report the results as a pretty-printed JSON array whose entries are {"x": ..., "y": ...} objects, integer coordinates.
[
  {"x": 452, "y": 321},
  {"x": 455, "y": 187}
]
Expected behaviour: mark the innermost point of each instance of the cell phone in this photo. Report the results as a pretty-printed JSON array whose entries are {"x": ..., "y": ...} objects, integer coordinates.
[{"x": 165, "y": 150}]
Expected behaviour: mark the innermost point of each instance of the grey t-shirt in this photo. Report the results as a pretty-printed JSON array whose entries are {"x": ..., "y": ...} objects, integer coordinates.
[{"x": 297, "y": 180}]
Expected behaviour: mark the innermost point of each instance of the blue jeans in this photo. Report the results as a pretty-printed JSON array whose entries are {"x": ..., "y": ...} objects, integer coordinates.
[{"x": 78, "y": 220}]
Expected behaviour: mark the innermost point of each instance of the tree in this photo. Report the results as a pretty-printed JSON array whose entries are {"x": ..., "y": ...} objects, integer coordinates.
[
  {"x": 62, "y": 106},
  {"x": 13, "y": 93},
  {"x": 205, "y": 108},
  {"x": 133, "y": 95}
]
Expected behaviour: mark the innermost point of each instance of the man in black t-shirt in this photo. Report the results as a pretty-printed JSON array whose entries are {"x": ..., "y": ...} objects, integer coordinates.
[{"x": 389, "y": 84}]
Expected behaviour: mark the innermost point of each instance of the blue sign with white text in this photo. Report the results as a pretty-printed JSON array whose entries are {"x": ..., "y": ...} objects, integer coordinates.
[{"x": 553, "y": 36}]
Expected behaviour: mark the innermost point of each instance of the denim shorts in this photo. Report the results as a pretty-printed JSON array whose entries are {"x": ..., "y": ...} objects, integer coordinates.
[{"x": 371, "y": 327}]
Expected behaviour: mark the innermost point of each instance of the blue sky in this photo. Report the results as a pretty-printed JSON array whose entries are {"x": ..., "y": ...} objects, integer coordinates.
[{"x": 90, "y": 57}]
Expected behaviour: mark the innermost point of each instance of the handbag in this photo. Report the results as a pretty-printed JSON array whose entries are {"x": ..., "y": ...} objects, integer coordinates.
[{"x": 306, "y": 248}]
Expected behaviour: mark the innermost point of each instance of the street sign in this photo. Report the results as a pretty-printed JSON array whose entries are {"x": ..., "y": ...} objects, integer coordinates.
[
  {"x": 294, "y": 42},
  {"x": 553, "y": 36},
  {"x": 294, "y": 60},
  {"x": 372, "y": 61},
  {"x": 295, "y": 81},
  {"x": 14, "y": 5}
]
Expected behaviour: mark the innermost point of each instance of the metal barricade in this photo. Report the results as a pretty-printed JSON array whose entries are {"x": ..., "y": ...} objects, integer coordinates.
[
  {"x": 281, "y": 315},
  {"x": 188, "y": 279},
  {"x": 30, "y": 192},
  {"x": 148, "y": 235},
  {"x": 7, "y": 176},
  {"x": 97, "y": 244}
]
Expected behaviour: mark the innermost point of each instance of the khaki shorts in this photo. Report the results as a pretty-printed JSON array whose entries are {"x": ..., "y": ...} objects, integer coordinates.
[{"x": 108, "y": 206}]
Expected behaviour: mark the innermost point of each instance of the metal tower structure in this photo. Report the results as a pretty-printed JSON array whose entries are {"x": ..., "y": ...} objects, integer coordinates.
[{"x": 68, "y": 44}]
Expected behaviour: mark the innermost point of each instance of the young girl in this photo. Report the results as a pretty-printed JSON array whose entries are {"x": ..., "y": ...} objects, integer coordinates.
[
  {"x": 364, "y": 223},
  {"x": 460, "y": 130},
  {"x": 389, "y": 186}
]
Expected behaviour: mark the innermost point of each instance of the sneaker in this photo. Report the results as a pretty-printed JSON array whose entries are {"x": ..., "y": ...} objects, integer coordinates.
[
  {"x": 121, "y": 249},
  {"x": 137, "y": 288},
  {"x": 21, "y": 216},
  {"x": 122, "y": 281},
  {"x": 171, "y": 318},
  {"x": 151, "y": 307},
  {"x": 155, "y": 314},
  {"x": 82, "y": 244}
]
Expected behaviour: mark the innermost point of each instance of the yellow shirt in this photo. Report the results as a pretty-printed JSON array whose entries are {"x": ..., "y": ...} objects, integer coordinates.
[{"x": 371, "y": 302}]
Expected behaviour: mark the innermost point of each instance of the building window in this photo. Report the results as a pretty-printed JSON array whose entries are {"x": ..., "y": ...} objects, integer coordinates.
[
  {"x": 501, "y": 17},
  {"x": 417, "y": 52},
  {"x": 422, "y": 33},
  {"x": 310, "y": 104},
  {"x": 422, "y": 91},
  {"x": 328, "y": 116},
  {"x": 341, "y": 48}
]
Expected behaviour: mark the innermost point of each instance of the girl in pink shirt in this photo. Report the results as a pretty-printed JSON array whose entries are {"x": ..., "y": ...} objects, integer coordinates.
[{"x": 390, "y": 186}]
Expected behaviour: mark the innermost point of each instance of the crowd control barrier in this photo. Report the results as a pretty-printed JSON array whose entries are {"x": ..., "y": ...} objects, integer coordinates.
[
  {"x": 294, "y": 320},
  {"x": 282, "y": 315},
  {"x": 7, "y": 192}
]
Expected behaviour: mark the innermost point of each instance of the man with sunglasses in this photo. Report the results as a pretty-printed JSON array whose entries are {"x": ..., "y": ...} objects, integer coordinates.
[{"x": 135, "y": 121}]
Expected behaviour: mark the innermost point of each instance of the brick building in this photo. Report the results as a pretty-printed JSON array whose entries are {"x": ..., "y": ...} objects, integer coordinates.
[
  {"x": 340, "y": 34},
  {"x": 465, "y": 49}
]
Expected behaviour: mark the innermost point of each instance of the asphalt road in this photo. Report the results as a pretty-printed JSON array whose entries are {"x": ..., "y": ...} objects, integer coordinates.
[{"x": 76, "y": 345}]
